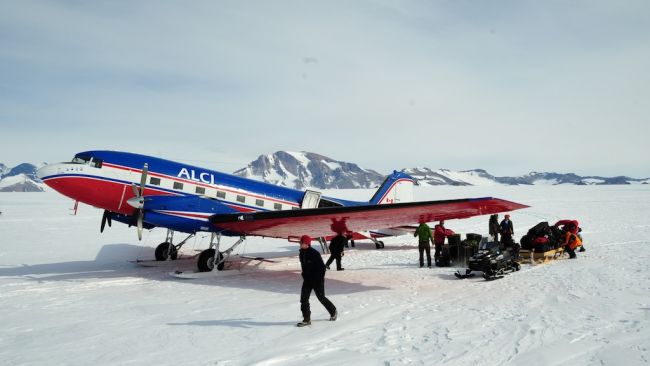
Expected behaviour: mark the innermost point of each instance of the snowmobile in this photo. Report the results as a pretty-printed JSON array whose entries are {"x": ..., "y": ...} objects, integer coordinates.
[{"x": 491, "y": 260}]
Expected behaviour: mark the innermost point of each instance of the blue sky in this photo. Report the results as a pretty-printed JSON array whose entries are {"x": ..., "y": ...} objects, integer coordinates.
[{"x": 508, "y": 86}]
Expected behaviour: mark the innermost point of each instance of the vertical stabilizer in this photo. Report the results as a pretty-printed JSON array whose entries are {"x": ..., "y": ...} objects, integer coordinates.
[{"x": 397, "y": 188}]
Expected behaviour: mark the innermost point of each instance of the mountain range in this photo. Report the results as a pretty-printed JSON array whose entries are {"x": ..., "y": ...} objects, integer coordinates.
[
  {"x": 21, "y": 178},
  {"x": 302, "y": 170}
]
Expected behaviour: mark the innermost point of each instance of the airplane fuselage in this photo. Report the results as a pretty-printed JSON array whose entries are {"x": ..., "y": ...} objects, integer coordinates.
[{"x": 105, "y": 179}]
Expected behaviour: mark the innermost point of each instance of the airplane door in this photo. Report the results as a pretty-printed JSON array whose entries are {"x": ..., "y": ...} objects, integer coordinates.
[{"x": 310, "y": 199}]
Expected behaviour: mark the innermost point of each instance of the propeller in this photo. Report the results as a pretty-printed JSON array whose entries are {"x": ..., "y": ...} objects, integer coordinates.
[
  {"x": 137, "y": 202},
  {"x": 106, "y": 218}
]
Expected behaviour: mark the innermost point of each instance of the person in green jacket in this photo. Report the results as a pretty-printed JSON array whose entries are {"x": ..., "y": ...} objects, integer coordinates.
[{"x": 423, "y": 232}]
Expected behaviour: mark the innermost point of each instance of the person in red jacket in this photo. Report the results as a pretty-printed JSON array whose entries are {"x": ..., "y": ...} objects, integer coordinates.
[
  {"x": 573, "y": 227},
  {"x": 439, "y": 235}
]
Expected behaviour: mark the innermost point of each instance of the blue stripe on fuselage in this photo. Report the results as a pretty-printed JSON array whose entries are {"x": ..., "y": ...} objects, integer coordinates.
[{"x": 175, "y": 169}]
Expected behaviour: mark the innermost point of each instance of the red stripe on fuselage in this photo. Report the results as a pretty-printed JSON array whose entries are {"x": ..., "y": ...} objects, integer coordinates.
[{"x": 101, "y": 193}]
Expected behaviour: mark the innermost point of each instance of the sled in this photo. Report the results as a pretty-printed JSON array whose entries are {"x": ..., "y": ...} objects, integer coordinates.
[{"x": 527, "y": 256}]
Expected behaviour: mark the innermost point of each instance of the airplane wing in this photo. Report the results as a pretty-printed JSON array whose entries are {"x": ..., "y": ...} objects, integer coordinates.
[{"x": 318, "y": 222}]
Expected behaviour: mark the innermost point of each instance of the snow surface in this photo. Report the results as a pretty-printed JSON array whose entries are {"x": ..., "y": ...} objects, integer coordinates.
[
  {"x": 18, "y": 179},
  {"x": 332, "y": 165},
  {"x": 470, "y": 177},
  {"x": 593, "y": 181},
  {"x": 300, "y": 156},
  {"x": 69, "y": 296},
  {"x": 545, "y": 182}
]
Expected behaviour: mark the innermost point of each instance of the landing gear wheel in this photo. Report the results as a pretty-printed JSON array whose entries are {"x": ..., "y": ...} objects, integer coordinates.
[
  {"x": 206, "y": 261},
  {"x": 379, "y": 244},
  {"x": 164, "y": 249}
]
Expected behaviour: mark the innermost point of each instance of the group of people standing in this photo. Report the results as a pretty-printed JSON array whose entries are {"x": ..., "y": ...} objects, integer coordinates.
[
  {"x": 506, "y": 229},
  {"x": 424, "y": 235}
]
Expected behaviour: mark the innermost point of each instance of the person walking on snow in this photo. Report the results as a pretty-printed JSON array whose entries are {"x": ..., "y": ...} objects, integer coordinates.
[
  {"x": 313, "y": 275},
  {"x": 336, "y": 251},
  {"x": 439, "y": 235},
  {"x": 423, "y": 233}
]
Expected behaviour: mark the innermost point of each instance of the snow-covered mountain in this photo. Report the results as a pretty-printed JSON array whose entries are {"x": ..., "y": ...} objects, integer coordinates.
[
  {"x": 305, "y": 169},
  {"x": 20, "y": 183},
  {"x": 426, "y": 176},
  {"x": 479, "y": 177},
  {"x": 21, "y": 178}
]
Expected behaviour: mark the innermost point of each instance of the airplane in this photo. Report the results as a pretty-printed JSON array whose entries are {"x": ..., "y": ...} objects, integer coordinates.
[{"x": 149, "y": 192}]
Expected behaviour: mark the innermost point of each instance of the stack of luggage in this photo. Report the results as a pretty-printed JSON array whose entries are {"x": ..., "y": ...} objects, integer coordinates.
[{"x": 542, "y": 238}]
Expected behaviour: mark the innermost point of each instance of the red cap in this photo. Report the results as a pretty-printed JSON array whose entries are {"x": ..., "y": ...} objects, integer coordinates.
[{"x": 305, "y": 239}]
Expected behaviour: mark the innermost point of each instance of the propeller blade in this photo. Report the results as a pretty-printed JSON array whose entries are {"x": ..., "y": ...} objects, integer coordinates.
[
  {"x": 143, "y": 178},
  {"x": 140, "y": 218},
  {"x": 101, "y": 228},
  {"x": 135, "y": 190}
]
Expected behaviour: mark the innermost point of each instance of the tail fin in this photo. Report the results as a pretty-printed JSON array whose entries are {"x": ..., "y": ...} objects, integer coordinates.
[{"x": 398, "y": 187}]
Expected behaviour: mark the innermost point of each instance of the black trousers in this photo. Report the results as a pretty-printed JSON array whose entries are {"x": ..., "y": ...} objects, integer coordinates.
[
  {"x": 334, "y": 256},
  {"x": 319, "y": 288},
  {"x": 425, "y": 246},
  {"x": 438, "y": 252},
  {"x": 572, "y": 252}
]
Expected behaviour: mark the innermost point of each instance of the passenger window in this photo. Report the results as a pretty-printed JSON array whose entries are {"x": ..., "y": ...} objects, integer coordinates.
[
  {"x": 200, "y": 190},
  {"x": 97, "y": 163},
  {"x": 259, "y": 202},
  {"x": 154, "y": 181},
  {"x": 221, "y": 194},
  {"x": 241, "y": 199},
  {"x": 178, "y": 185},
  {"x": 277, "y": 206}
]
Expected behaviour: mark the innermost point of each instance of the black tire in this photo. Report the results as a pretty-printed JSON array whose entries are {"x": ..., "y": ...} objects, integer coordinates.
[
  {"x": 377, "y": 245},
  {"x": 206, "y": 260},
  {"x": 381, "y": 243},
  {"x": 163, "y": 248}
]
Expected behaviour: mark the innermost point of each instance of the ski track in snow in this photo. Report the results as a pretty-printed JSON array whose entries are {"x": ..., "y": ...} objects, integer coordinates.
[{"x": 69, "y": 296}]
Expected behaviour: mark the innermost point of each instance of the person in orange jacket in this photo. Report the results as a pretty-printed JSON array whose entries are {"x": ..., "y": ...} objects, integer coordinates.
[
  {"x": 439, "y": 235},
  {"x": 571, "y": 226},
  {"x": 571, "y": 242}
]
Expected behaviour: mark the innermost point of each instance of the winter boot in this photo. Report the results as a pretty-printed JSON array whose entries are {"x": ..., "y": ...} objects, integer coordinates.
[
  {"x": 304, "y": 323},
  {"x": 334, "y": 316}
]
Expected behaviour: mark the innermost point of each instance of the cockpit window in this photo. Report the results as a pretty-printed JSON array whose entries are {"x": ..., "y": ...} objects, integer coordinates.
[
  {"x": 86, "y": 160},
  {"x": 80, "y": 159}
]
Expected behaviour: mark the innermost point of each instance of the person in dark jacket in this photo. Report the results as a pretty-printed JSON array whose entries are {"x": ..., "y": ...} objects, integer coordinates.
[
  {"x": 506, "y": 229},
  {"x": 494, "y": 227},
  {"x": 423, "y": 233},
  {"x": 336, "y": 251},
  {"x": 313, "y": 275}
]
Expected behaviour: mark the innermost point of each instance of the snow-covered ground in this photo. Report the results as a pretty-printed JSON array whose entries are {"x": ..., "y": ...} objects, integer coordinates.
[{"x": 69, "y": 296}]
